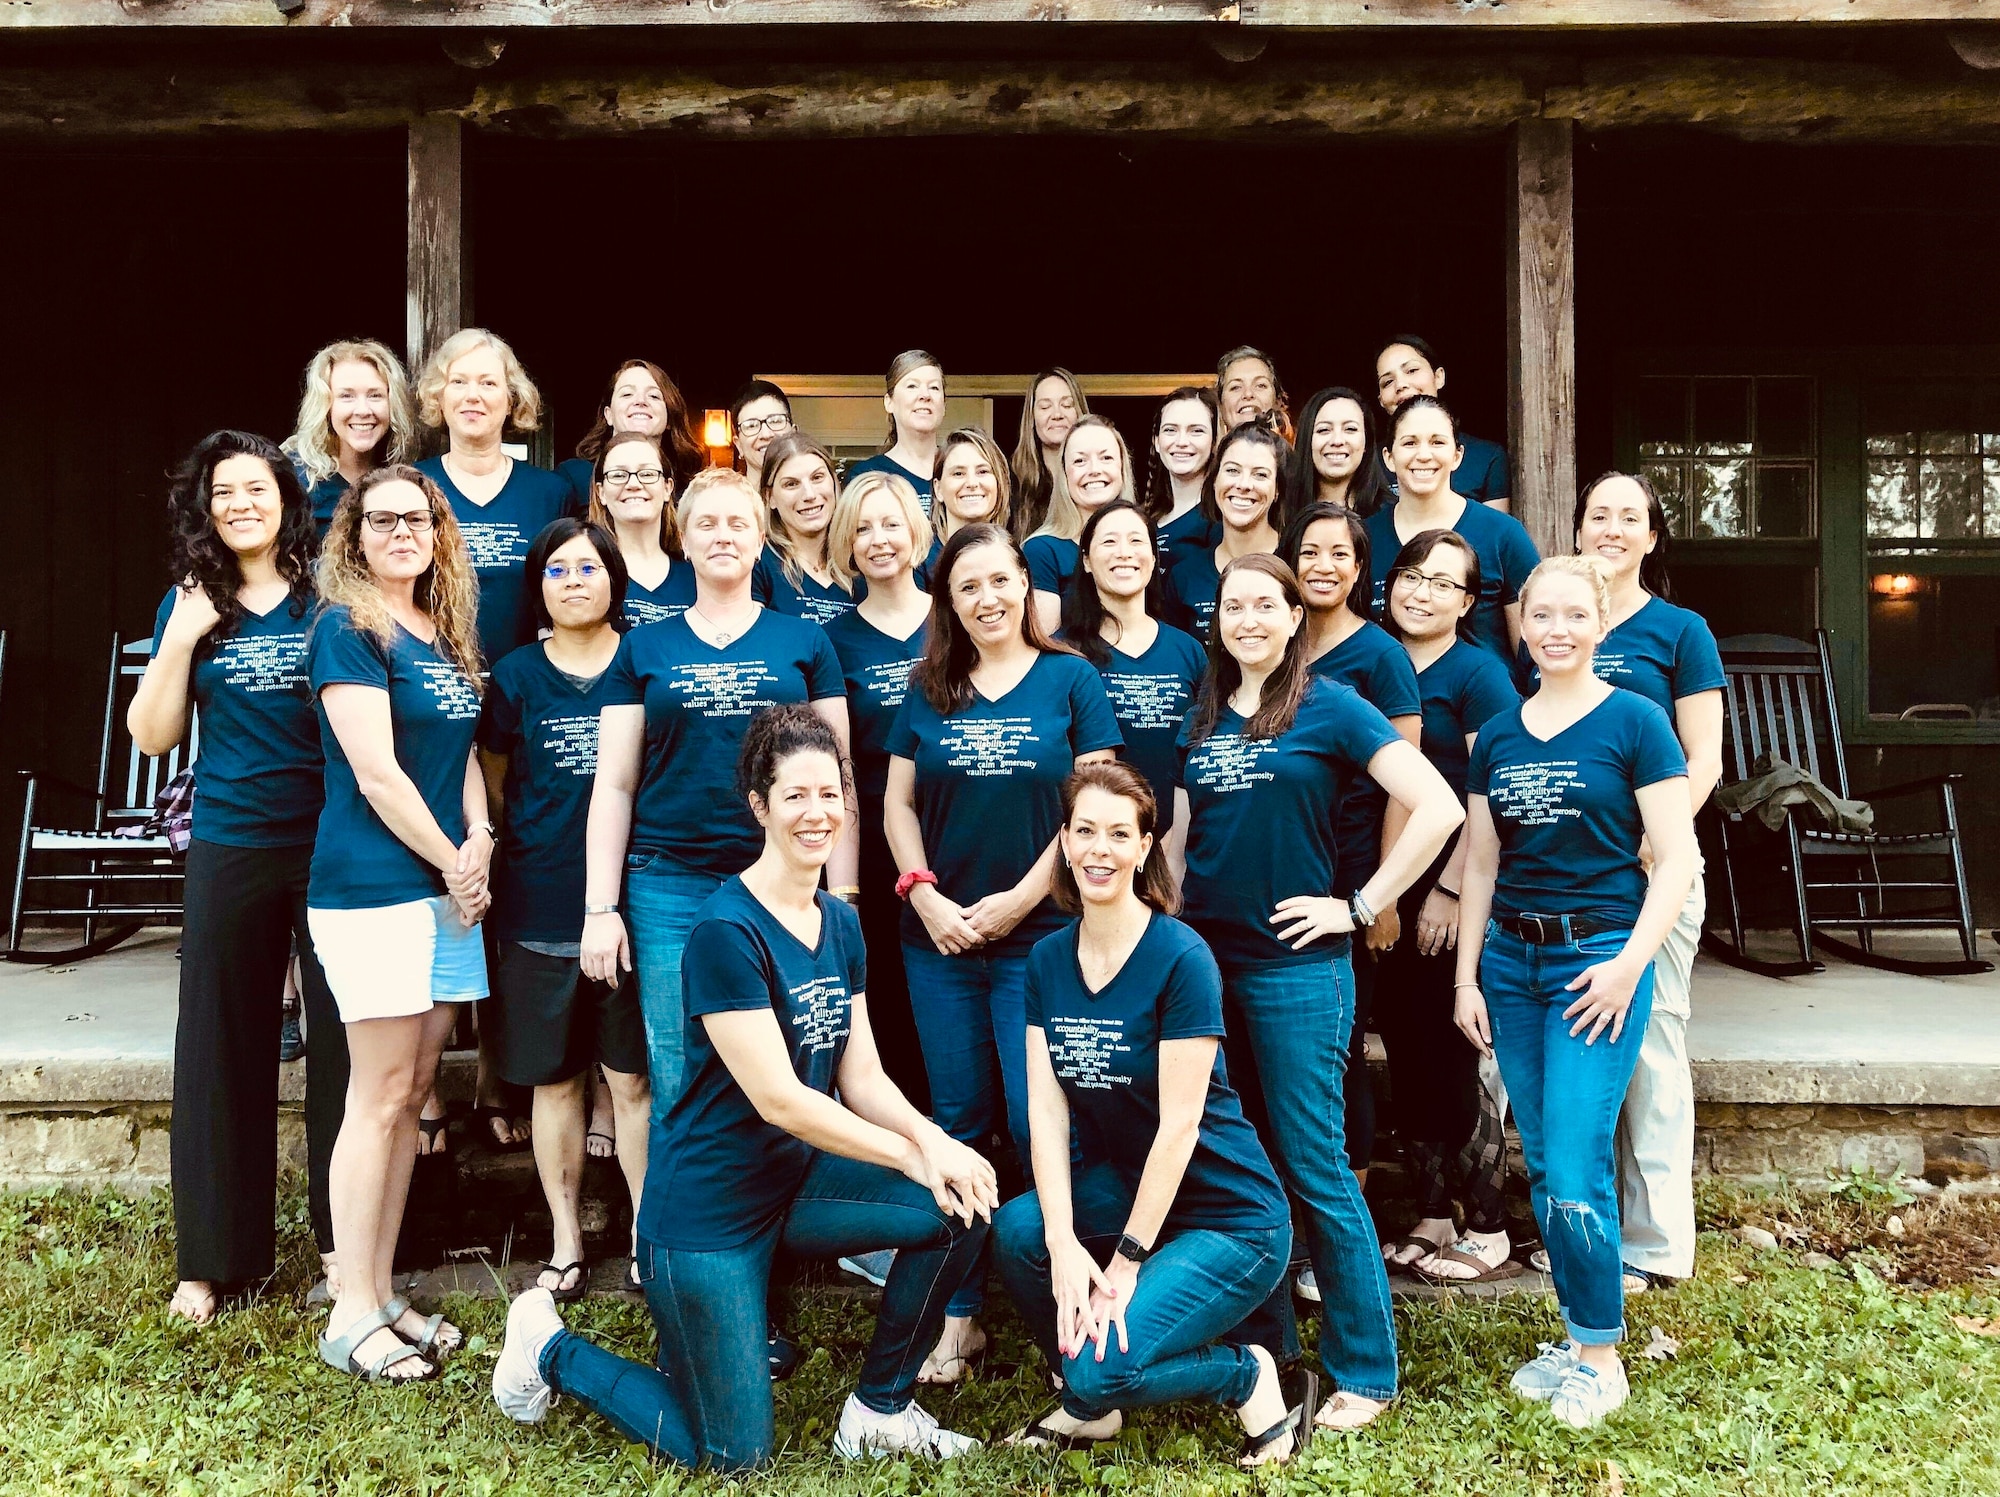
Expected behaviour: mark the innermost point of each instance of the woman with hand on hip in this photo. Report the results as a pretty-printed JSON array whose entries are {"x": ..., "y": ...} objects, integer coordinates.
[
  {"x": 789, "y": 1136},
  {"x": 355, "y": 415},
  {"x": 1049, "y": 410},
  {"x": 1268, "y": 752},
  {"x": 632, "y": 496},
  {"x": 1559, "y": 922},
  {"x": 1132, "y": 1267},
  {"x": 996, "y": 719},
  {"x": 1096, "y": 470},
  {"x": 399, "y": 874}
]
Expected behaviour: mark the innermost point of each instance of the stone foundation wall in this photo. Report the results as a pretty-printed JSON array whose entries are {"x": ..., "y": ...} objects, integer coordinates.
[
  {"x": 1808, "y": 1142},
  {"x": 125, "y": 1145}
]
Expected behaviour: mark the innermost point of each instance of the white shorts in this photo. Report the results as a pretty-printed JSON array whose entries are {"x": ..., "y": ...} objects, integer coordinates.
[{"x": 399, "y": 959}]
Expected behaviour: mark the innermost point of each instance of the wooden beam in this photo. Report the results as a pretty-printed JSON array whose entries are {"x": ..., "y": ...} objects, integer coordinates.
[
  {"x": 435, "y": 285},
  {"x": 1607, "y": 15},
  {"x": 1541, "y": 329},
  {"x": 986, "y": 386}
]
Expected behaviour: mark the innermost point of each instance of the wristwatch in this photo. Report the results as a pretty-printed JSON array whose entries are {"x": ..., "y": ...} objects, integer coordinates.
[{"x": 1130, "y": 1249}]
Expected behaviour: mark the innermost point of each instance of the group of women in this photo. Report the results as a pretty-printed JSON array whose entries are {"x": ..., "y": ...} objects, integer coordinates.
[{"x": 857, "y": 828}]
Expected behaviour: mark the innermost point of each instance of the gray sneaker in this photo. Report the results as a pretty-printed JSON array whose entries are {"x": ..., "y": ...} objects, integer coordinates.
[
  {"x": 874, "y": 1267},
  {"x": 1587, "y": 1395},
  {"x": 1306, "y": 1285},
  {"x": 1542, "y": 1378}
]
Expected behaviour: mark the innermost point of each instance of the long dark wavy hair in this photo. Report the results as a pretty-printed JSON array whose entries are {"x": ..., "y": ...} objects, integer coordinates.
[
  {"x": 1653, "y": 569},
  {"x": 199, "y": 554},
  {"x": 1083, "y": 609},
  {"x": 1367, "y": 488},
  {"x": 1284, "y": 689},
  {"x": 1293, "y": 537},
  {"x": 944, "y": 672},
  {"x": 1157, "y": 490}
]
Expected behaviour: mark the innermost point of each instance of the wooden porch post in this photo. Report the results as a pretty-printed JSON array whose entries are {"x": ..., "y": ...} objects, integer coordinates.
[
  {"x": 434, "y": 287},
  {"x": 1541, "y": 329}
]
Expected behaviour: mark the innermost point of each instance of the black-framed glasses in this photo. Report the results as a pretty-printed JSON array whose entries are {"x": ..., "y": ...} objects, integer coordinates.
[
  {"x": 1413, "y": 581},
  {"x": 561, "y": 571},
  {"x": 772, "y": 424},
  {"x": 383, "y": 521},
  {"x": 617, "y": 478}
]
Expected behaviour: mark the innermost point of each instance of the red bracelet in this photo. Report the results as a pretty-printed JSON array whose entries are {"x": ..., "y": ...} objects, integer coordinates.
[{"x": 911, "y": 879}]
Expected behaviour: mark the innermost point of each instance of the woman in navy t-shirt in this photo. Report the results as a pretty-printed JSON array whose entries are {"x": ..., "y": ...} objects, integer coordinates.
[
  {"x": 758, "y": 416},
  {"x": 1451, "y": 1132},
  {"x": 1178, "y": 466},
  {"x": 355, "y": 414},
  {"x": 665, "y": 825},
  {"x": 1131, "y": 1266},
  {"x": 878, "y": 534},
  {"x": 1151, "y": 670},
  {"x": 399, "y": 872},
  {"x": 1267, "y": 755},
  {"x": 796, "y": 572},
  {"x": 1559, "y": 921},
  {"x": 996, "y": 718},
  {"x": 640, "y": 399},
  {"x": 1096, "y": 469},
  {"x": 1668, "y": 656},
  {"x": 788, "y": 1135},
  {"x": 229, "y": 641},
  {"x": 632, "y": 496},
  {"x": 477, "y": 390},
  {"x": 1049, "y": 411},
  {"x": 971, "y": 486},
  {"x": 1327, "y": 545},
  {"x": 1249, "y": 499},
  {"x": 1336, "y": 461},
  {"x": 913, "y": 395},
  {"x": 554, "y": 1026},
  {"x": 1408, "y": 367}
]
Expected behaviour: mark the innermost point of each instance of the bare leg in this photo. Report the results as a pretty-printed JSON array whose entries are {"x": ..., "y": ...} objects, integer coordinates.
[
  {"x": 489, "y": 1091},
  {"x": 602, "y": 1139},
  {"x": 632, "y": 1100},
  {"x": 559, "y": 1121},
  {"x": 434, "y": 1029}
]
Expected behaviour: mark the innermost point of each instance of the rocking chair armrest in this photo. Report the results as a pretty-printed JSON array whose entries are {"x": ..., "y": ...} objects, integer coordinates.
[
  {"x": 1943, "y": 782},
  {"x": 56, "y": 781}
]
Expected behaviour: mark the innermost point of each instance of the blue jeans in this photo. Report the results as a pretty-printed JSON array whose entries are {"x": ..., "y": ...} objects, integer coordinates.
[
  {"x": 1287, "y": 1037},
  {"x": 661, "y": 898},
  {"x": 972, "y": 1021},
  {"x": 709, "y": 1399},
  {"x": 1567, "y": 1097},
  {"x": 1196, "y": 1287}
]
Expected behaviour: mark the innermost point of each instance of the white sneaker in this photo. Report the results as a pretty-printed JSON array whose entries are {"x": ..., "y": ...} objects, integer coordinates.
[
  {"x": 874, "y": 1267},
  {"x": 910, "y": 1432},
  {"x": 1541, "y": 1378},
  {"x": 1538, "y": 1260},
  {"x": 1306, "y": 1285},
  {"x": 518, "y": 1387},
  {"x": 1587, "y": 1395}
]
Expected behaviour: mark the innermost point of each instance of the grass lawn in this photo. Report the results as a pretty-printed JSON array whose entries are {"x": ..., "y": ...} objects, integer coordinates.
[{"x": 1789, "y": 1379}]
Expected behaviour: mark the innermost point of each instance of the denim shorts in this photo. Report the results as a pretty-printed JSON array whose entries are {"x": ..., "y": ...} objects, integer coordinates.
[{"x": 399, "y": 959}]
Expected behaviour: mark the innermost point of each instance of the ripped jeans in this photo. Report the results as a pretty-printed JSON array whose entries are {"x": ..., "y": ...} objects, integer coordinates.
[{"x": 1566, "y": 1097}]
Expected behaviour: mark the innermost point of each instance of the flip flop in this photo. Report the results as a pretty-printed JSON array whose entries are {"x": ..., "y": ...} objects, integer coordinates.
[
  {"x": 434, "y": 1129},
  {"x": 562, "y": 1271},
  {"x": 610, "y": 1145},
  {"x": 430, "y": 1340},
  {"x": 482, "y": 1121},
  {"x": 1298, "y": 1423},
  {"x": 1036, "y": 1435},
  {"x": 1483, "y": 1272},
  {"x": 339, "y": 1352},
  {"x": 963, "y": 1361},
  {"x": 1430, "y": 1249}
]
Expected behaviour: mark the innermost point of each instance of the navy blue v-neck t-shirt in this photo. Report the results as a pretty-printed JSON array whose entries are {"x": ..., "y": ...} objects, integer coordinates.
[
  {"x": 1051, "y": 563},
  {"x": 1150, "y": 694},
  {"x": 717, "y": 1174},
  {"x": 1662, "y": 652},
  {"x": 655, "y": 605},
  {"x": 808, "y": 598},
  {"x": 260, "y": 780},
  {"x": 1375, "y": 665},
  {"x": 1506, "y": 556},
  {"x": 876, "y": 669},
  {"x": 498, "y": 534},
  {"x": 1463, "y": 690},
  {"x": 881, "y": 462},
  {"x": 1105, "y": 1048}
]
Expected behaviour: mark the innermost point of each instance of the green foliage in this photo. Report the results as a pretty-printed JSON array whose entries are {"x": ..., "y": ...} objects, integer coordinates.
[
  {"x": 1792, "y": 1382},
  {"x": 1866, "y": 1188}
]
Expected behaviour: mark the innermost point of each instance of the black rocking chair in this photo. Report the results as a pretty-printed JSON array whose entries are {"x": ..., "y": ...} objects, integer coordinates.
[
  {"x": 115, "y": 882},
  {"x": 1779, "y": 700}
]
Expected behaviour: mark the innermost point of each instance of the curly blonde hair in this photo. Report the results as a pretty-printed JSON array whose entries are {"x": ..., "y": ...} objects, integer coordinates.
[
  {"x": 1589, "y": 568},
  {"x": 847, "y": 520},
  {"x": 312, "y": 444},
  {"x": 448, "y": 593},
  {"x": 524, "y": 401}
]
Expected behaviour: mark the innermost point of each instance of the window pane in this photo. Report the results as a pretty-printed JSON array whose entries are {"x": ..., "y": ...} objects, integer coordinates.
[
  {"x": 1950, "y": 503},
  {"x": 1947, "y": 441},
  {"x": 1892, "y": 496},
  {"x": 1663, "y": 416},
  {"x": 1785, "y": 419},
  {"x": 1722, "y": 415},
  {"x": 1784, "y": 500},
  {"x": 1720, "y": 492},
  {"x": 1778, "y": 599},
  {"x": 1669, "y": 481},
  {"x": 1932, "y": 643}
]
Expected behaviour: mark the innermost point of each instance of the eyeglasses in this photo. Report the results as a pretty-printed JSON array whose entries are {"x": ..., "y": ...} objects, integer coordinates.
[
  {"x": 617, "y": 478},
  {"x": 772, "y": 424},
  {"x": 383, "y": 521},
  {"x": 1413, "y": 581},
  {"x": 561, "y": 571}
]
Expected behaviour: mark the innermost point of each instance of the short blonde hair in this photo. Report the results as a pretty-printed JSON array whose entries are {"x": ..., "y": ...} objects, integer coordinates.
[
  {"x": 1590, "y": 568},
  {"x": 312, "y": 444},
  {"x": 524, "y": 401},
  {"x": 720, "y": 478},
  {"x": 846, "y": 521}
]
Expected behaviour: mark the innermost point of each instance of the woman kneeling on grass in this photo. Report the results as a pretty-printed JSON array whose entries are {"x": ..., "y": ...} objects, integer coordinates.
[
  {"x": 1174, "y": 1194},
  {"x": 757, "y": 1153},
  {"x": 1559, "y": 793}
]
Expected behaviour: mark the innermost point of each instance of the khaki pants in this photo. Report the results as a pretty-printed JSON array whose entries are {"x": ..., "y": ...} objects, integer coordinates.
[{"x": 1655, "y": 1145}]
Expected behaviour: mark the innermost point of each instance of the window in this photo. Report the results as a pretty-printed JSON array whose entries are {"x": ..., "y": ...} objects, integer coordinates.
[{"x": 1733, "y": 458}]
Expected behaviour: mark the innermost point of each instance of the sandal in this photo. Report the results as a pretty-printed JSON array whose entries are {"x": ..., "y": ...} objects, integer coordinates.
[
  {"x": 934, "y": 1373},
  {"x": 437, "y": 1340},
  {"x": 1330, "y": 1416},
  {"x": 562, "y": 1271},
  {"x": 436, "y": 1140},
  {"x": 1036, "y": 1435},
  {"x": 1298, "y": 1423},
  {"x": 340, "y": 1352},
  {"x": 1482, "y": 1271},
  {"x": 609, "y": 1151},
  {"x": 484, "y": 1117},
  {"x": 1411, "y": 1240}
]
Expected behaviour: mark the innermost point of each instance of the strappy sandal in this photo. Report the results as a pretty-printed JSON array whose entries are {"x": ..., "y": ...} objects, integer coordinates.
[
  {"x": 1482, "y": 1271},
  {"x": 562, "y": 1271},
  {"x": 1339, "y": 1404},
  {"x": 432, "y": 1340},
  {"x": 963, "y": 1361},
  {"x": 1036, "y": 1435},
  {"x": 1409, "y": 1240},
  {"x": 339, "y": 1352},
  {"x": 1298, "y": 1423}
]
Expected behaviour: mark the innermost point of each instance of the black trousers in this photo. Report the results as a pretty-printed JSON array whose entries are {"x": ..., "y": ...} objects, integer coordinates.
[
  {"x": 1433, "y": 1068},
  {"x": 1359, "y": 1098},
  {"x": 246, "y": 906},
  {"x": 889, "y": 1016}
]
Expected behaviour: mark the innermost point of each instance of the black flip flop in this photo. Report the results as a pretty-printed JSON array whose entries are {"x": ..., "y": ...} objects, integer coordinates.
[
  {"x": 433, "y": 1129},
  {"x": 562, "y": 1271},
  {"x": 1298, "y": 1423}
]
